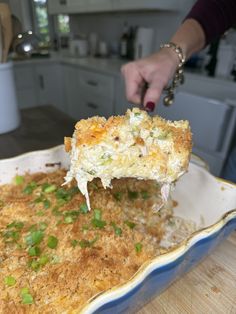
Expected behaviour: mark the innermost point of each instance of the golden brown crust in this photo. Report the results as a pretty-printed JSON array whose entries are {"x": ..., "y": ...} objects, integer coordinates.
[
  {"x": 67, "y": 142},
  {"x": 78, "y": 273}
]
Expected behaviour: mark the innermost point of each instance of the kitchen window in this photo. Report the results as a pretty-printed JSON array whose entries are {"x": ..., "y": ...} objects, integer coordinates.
[{"x": 45, "y": 25}]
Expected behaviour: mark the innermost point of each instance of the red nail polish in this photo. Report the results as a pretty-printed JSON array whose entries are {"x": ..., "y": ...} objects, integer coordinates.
[{"x": 150, "y": 106}]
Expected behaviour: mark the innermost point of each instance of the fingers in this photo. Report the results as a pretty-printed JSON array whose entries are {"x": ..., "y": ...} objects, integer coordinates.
[
  {"x": 152, "y": 95},
  {"x": 133, "y": 83}
]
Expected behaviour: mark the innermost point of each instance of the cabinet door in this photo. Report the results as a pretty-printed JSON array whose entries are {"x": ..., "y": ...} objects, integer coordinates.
[
  {"x": 50, "y": 85},
  {"x": 25, "y": 85},
  {"x": 57, "y": 6},
  {"x": 99, "y": 5},
  {"x": 77, "y": 6},
  {"x": 147, "y": 4},
  {"x": 72, "y": 91},
  {"x": 209, "y": 119},
  {"x": 92, "y": 105}
]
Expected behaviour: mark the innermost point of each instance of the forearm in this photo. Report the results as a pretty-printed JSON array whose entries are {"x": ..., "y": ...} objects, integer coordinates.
[{"x": 190, "y": 37}]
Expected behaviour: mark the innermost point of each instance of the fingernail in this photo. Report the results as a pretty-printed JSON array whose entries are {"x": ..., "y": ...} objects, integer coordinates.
[{"x": 150, "y": 106}]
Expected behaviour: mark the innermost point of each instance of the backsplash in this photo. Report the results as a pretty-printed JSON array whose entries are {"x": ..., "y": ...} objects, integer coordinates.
[{"x": 109, "y": 26}]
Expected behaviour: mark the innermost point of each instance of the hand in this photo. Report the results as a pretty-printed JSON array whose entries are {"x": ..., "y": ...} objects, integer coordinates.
[{"x": 156, "y": 71}]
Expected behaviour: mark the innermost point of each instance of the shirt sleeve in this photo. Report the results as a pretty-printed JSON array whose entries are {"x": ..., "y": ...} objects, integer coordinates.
[{"x": 215, "y": 16}]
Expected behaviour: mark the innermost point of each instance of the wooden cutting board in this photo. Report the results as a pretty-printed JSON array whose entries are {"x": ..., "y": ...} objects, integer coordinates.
[{"x": 210, "y": 288}]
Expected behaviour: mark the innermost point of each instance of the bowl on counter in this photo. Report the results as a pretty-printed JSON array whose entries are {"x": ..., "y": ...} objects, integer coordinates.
[{"x": 200, "y": 197}]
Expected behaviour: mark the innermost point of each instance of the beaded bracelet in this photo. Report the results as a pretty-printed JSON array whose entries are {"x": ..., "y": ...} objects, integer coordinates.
[{"x": 179, "y": 74}]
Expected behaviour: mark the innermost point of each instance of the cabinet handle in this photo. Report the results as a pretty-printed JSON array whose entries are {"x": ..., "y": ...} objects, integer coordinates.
[
  {"x": 92, "y": 83},
  {"x": 63, "y": 2},
  {"x": 41, "y": 81},
  {"x": 92, "y": 105}
]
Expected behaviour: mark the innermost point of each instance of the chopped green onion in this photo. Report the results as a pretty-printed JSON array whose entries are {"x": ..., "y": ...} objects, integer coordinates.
[
  {"x": 118, "y": 196},
  {"x": 145, "y": 195},
  {"x": 33, "y": 227},
  {"x": 34, "y": 265},
  {"x": 34, "y": 237},
  {"x": 43, "y": 225},
  {"x": 118, "y": 231},
  {"x": 46, "y": 204},
  {"x": 130, "y": 224},
  {"x": 69, "y": 219},
  {"x": 137, "y": 114},
  {"x": 40, "y": 213},
  {"x": 39, "y": 199},
  {"x": 29, "y": 188},
  {"x": 84, "y": 208},
  {"x": 26, "y": 296},
  {"x": 132, "y": 195},
  {"x": 14, "y": 235},
  {"x": 85, "y": 227},
  {"x": 49, "y": 188},
  {"x": 86, "y": 243},
  {"x": 52, "y": 242},
  {"x": 62, "y": 194},
  {"x": 74, "y": 243},
  {"x": 97, "y": 214},
  {"x": 43, "y": 260},
  {"x": 56, "y": 212},
  {"x": 138, "y": 247},
  {"x": 9, "y": 281},
  {"x": 19, "y": 180},
  {"x": 34, "y": 251},
  {"x": 16, "y": 224},
  {"x": 98, "y": 223}
]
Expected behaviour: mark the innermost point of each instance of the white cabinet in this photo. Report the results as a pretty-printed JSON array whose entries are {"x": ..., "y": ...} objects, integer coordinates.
[
  {"x": 49, "y": 82},
  {"x": 84, "y": 6},
  {"x": 57, "y": 6},
  {"x": 120, "y": 5},
  {"x": 39, "y": 84},
  {"x": 25, "y": 85}
]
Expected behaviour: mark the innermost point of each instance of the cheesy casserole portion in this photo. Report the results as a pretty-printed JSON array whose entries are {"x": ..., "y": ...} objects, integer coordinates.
[{"x": 135, "y": 145}]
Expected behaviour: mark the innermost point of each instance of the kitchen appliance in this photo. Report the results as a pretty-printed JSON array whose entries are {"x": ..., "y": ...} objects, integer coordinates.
[
  {"x": 143, "y": 42},
  {"x": 79, "y": 47},
  {"x": 9, "y": 111}
]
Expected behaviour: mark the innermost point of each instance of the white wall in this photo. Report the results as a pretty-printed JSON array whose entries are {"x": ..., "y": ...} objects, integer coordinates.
[{"x": 109, "y": 25}]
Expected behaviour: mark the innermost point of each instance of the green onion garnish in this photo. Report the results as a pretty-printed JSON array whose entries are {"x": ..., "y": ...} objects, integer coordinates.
[
  {"x": 98, "y": 223},
  {"x": 49, "y": 188},
  {"x": 74, "y": 243},
  {"x": 69, "y": 219},
  {"x": 118, "y": 196},
  {"x": 52, "y": 242},
  {"x": 84, "y": 208},
  {"x": 97, "y": 214},
  {"x": 43, "y": 260},
  {"x": 34, "y": 238},
  {"x": 40, "y": 213},
  {"x": 34, "y": 251},
  {"x": 9, "y": 281},
  {"x": 43, "y": 225},
  {"x": 14, "y": 235},
  {"x": 130, "y": 224},
  {"x": 46, "y": 203},
  {"x": 18, "y": 225},
  {"x": 118, "y": 231},
  {"x": 138, "y": 247},
  {"x": 86, "y": 243},
  {"x": 132, "y": 195},
  {"x": 29, "y": 188},
  {"x": 26, "y": 296},
  {"x": 145, "y": 195},
  {"x": 19, "y": 180},
  {"x": 34, "y": 265}
]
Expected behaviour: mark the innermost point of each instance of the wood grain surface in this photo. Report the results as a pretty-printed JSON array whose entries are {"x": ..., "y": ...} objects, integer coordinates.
[{"x": 210, "y": 288}]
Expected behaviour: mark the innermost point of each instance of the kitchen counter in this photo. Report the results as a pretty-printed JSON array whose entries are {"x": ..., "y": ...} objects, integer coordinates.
[
  {"x": 208, "y": 288},
  {"x": 110, "y": 66},
  {"x": 41, "y": 128}
]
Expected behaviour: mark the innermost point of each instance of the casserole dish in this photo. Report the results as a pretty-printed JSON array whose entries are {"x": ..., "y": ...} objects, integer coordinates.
[{"x": 200, "y": 197}]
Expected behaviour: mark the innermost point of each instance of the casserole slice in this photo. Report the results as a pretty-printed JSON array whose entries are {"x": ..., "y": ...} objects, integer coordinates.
[{"x": 135, "y": 145}]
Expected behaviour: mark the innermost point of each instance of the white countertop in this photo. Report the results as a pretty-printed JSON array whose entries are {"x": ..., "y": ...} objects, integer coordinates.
[{"x": 110, "y": 66}]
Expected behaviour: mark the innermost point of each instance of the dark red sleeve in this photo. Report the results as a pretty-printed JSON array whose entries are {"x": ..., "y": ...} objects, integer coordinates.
[{"x": 215, "y": 16}]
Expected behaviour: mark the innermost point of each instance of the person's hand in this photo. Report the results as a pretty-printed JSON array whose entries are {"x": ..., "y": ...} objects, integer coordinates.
[{"x": 155, "y": 71}]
